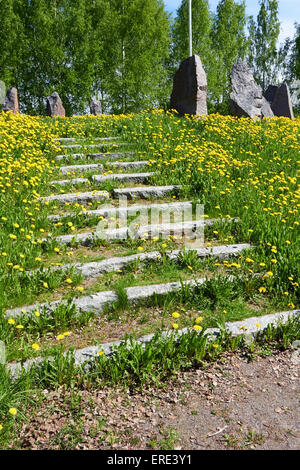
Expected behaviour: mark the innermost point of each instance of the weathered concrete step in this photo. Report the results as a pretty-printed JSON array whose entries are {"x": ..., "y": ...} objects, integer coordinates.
[
  {"x": 134, "y": 177},
  {"x": 97, "y": 302},
  {"x": 187, "y": 229},
  {"x": 116, "y": 212},
  {"x": 128, "y": 177},
  {"x": 144, "y": 192},
  {"x": 125, "y": 165},
  {"x": 98, "y": 166},
  {"x": 76, "y": 139},
  {"x": 80, "y": 168},
  {"x": 80, "y": 198},
  {"x": 90, "y": 146},
  {"x": 96, "y": 268},
  {"x": 250, "y": 327},
  {"x": 95, "y": 156}
]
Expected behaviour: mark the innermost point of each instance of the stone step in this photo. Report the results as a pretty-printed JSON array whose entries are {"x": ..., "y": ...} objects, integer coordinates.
[
  {"x": 80, "y": 198},
  {"x": 76, "y": 139},
  {"x": 95, "y": 156},
  {"x": 96, "y": 268},
  {"x": 134, "y": 177},
  {"x": 80, "y": 168},
  {"x": 98, "y": 166},
  {"x": 172, "y": 207},
  {"x": 250, "y": 328},
  {"x": 144, "y": 192},
  {"x": 128, "y": 177},
  {"x": 97, "y": 302},
  {"x": 126, "y": 165},
  {"x": 90, "y": 146},
  {"x": 186, "y": 229}
]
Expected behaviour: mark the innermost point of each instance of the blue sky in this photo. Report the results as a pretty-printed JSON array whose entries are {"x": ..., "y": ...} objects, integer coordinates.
[{"x": 289, "y": 13}]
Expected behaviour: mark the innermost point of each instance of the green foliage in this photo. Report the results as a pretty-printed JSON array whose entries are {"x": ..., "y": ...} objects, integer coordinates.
[
  {"x": 263, "y": 54},
  {"x": 114, "y": 50},
  {"x": 201, "y": 24},
  {"x": 229, "y": 43}
]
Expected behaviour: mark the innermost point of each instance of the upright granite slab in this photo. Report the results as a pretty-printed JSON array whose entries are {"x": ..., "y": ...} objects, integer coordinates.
[
  {"x": 54, "y": 106},
  {"x": 270, "y": 93},
  {"x": 11, "y": 102},
  {"x": 95, "y": 107},
  {"x": 189, "y": 88},
  {"x": 246, "y": 97},
  {"x": 282, "y": 104},
  {"x": 266, "y": 110}
]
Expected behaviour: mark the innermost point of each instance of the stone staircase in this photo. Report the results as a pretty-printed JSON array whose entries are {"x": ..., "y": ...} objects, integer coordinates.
[{"x": 138, "y": 197}]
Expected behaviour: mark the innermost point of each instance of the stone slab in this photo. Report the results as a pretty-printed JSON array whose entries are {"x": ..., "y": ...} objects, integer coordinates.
[
  {"x": 80, "y": 168},
  {"x": 116, "y": 212},
  {"x": 189, "y": 88},
  {"x": 80, "y": 198},
  {"x": 145, "y": 192},
  {"x": 90, "y": 353},
  {"x": 134, "y": 177}
]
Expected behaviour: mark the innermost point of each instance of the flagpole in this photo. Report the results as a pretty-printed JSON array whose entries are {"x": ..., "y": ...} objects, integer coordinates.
[{"x": 190, "y": 29}]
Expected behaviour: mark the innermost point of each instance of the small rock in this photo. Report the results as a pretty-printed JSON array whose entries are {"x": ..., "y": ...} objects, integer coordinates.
[{"x": 295, "y": 358}]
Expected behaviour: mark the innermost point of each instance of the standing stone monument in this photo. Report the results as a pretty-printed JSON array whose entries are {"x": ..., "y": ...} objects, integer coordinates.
[
  {"x": 280, "y": 100},
  {"x": 270, "y": 93},
  {"x": 95, "y": 107},
  {"x": 189, "y": 88},
  {"x": 11, "y": 102},
  {"x": 246, "y": 97},
  {"x": 54, "y": 106},
  {"x": 266, "y": 110}
]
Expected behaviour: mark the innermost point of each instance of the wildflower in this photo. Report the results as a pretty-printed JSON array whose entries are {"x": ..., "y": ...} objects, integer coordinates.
[
  {"x": 198, "y": 327},
  {"x": 13, "y": 411},
  {"x": 175, "y": 315},
  {"x": 69, "y": 281},
  {"x": 175, "y": 326},
  {"x": 11, "y": 321},
  {"x": 35, "y": 346},
  {"x": 262, "y": 289},
  {"x": 198, "y": 319}
]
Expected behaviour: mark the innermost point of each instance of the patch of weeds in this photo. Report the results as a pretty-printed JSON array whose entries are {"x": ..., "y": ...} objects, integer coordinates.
[
  {"x": 69, "y": 436},
  {"x": 167, "y": 442},
  {"x": 254, "y": 438}
]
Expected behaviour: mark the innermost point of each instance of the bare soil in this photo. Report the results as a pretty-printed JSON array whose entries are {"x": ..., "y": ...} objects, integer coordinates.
[{"x": 230, "y": 404}]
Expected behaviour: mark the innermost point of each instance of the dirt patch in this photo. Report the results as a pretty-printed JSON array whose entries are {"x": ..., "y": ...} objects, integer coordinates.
[{"x": 232, "y": 404}]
